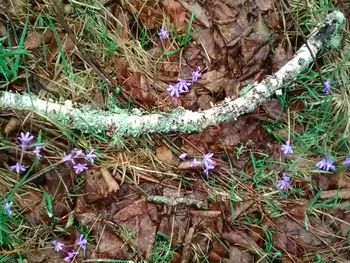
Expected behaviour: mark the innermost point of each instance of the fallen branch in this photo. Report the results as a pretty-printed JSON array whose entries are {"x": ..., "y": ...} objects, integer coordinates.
[{"x": 136, "y": 122}]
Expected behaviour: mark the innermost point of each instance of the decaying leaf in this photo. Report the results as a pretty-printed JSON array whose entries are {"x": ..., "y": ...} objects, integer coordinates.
[
  {"x": 164, "y": 154},
  {"x": 176, "y": 12},
  {"x": 294, "y": 238},
  {"x": 12, "y": 125},
  {"x": 99, "y": 183},
  {"x": 239, "y": 238},
  {"x": 110, "y": 245},
  {"x": 264, "y": 5}
]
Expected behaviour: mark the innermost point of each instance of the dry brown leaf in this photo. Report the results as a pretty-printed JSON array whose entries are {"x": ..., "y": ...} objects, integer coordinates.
[
  {"x": 261, "y": 31},
  {"x": 280, "y": 57},
  {"x": 205, "y": 101},
  {"x": 207, "y": 41},
  {"x": 12, "y": 125},
  {"x": 146, "y": 235},
  {"x": 96, "y": 187},
  {"x": 111, "y": 183},
  {"x": 110, "y": 245},
  {"x": 343, "y": 180},
  {"x": 44, "y": 256},
  {"x": 32, "y": 205},
  {"x": 249, "y": 48},
  {"x": 294, "y": 238},
  {"x": 216, "y": 86},
  {"x": 198, "y": 11},
  {"x": 176, "y": 12},
  {"x": 164, "y": 154},
  {"x": 33, "y": 40},
  {"x": 264, "y": 5},
  {"x": 273, "y": 108},
  {"x": 137, "y": 86},
  {"x": 210, "y": 76},
  {"x": 67, "y": 44},
  {"x": 136, "y": 208},
  {"x": 237, "y": 255},
  {"x": 122, "y": 24},
  {"x": 240, "y": 238}
]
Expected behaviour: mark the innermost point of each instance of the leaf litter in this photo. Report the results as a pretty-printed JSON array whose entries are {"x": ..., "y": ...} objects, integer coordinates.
[{"x": 231, "y": 43}]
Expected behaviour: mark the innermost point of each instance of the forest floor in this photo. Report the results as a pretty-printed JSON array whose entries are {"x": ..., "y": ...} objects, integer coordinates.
[{"x": 272, "y": 186}]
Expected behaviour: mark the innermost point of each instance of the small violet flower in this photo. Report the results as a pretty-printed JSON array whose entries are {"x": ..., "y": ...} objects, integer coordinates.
[
  {"x": 326, "y": 86},
  {"x": 208, "y": 163},
  {"x": 8, "y": 207},
  {"x": 70, "y": 256},
  {"x": 326, "y": 164},
  {"x": 346, "y": 162},
  {"x": 19, "y": 168},
  {"x": 163, "y": 34},
  {"x": 78, "y": 153},
  {"x": 173, "y": 90},
  {"x": 183, "y": 156},
  {"x": 90, "y": 156},
  {"x": 80, "y": 168},
  {"x": 25, "y": 139},
  {"x": 58, "y": 246},
  {"x": 196, "y": 74},
  {"x": 183, "y": 85},
  {"x": 284, "y": 182},
  {"x": 68, "y": 158},
  {"x": 82, "y": 242},
  {"x": 287, "y": 148},
  {"x": 37, "y": 152},
  {"x": 195, "y": 163}
]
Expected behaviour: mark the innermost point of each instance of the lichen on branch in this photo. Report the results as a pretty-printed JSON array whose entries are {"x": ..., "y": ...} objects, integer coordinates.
[{"x": 136, "y": 122}]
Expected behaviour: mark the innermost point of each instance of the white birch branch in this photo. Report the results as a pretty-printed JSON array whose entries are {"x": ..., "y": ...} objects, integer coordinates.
[{"x": 136, "y": 122}]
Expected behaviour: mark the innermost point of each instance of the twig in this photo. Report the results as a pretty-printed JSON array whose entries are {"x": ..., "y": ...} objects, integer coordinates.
[
  {"x": 136, "y": 122},
  {"x": 160, "y": 199}
]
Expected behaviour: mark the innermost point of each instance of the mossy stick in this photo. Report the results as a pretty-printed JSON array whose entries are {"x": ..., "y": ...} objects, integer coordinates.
[{"x": 136, "y": 122}]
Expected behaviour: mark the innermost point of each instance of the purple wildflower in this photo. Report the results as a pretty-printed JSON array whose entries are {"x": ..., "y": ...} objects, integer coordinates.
[
  {"x": 18, "y": 167},
  {"x": 183, "y": 85},
  {"x": 78, "y": 153},
  {"x": 37, "y": 151},
  {"x": 68, "y": 158},
  {"x": 80, "y": 168},
  {"x": 183, "y": 156},
  {"x": 326, "y": 164},
  {"x": 195, "y": 163},
  {"x": 196, "y": 74},
  {"x": 58, "y": 245},
  {"x": 90, "y": 156},
  {"x": 163, "y": 34},
  {"x": 173, "y": 90},
  {"x": 287, "y": 148},
  {"x": 8, "y": 208},
  {"x": 208, "y": 163},
  {"x": 284, "y": 182},
  {"x": 25, "y": 139},
  {"x": 70, "y": 256},
  {"x": 82, "y": 242},
  {"x": 326, "y": 86},
  {"x": 346, "y": 162}
]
